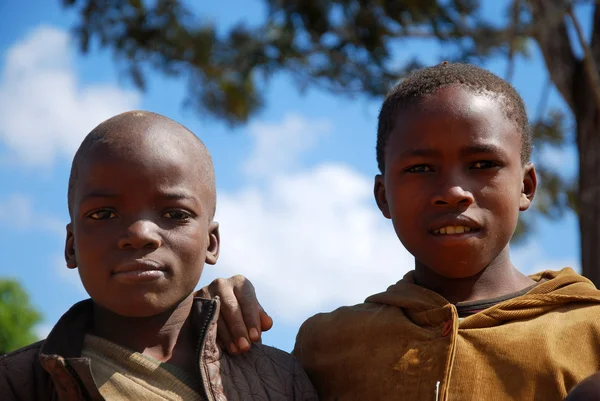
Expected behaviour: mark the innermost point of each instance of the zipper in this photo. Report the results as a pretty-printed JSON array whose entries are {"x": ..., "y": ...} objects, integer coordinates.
[
  {"x": 200, "y": 347},
  {"x": 442, "y": 391},
  {"x": 75, "y": 376}
]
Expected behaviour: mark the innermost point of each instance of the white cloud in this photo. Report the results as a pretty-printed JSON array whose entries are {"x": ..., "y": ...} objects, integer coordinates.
[
  {"x": 17, "y": 211},
  {"x": 277, "y": 146},
  {"x": 44, "y": 111},
  {"x": 309, "y": 239}
]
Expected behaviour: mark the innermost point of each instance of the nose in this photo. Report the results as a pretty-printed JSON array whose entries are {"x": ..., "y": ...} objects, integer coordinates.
[
  {"x": 454, "y": 196},
  {"x": 139, "y": 235}
]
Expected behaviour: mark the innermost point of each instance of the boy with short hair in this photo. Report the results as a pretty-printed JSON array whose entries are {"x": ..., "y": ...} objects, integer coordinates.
[
  {"x": 141, "y": 200},
  {"x": 453, "y": 148}
]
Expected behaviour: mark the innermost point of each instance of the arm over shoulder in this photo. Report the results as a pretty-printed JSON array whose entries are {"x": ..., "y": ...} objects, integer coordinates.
[{"x": 22, "y": 378}]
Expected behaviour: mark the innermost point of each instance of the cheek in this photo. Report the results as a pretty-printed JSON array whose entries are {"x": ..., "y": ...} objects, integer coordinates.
[
  {"x": 502, "y": 199},
  {"x": 91, "y": 246},
  {"x": 189, "y": 245},
  {"x": 406, "y": 201}
]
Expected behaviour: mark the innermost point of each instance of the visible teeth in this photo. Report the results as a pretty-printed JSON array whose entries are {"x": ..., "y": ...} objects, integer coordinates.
[{"x": 453, "y": 230}]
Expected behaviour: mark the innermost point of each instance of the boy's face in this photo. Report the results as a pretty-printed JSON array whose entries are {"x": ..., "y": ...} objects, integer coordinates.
[
  {"x": 141, "y": 228},
  {"x": 454, "y": 181}
]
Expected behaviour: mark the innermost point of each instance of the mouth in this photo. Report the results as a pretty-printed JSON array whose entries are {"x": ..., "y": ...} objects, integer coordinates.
[
  {"x": 454, "y": 230},
  {"x": 140, "y": 270},
  {"x": 455, "y": 226}
]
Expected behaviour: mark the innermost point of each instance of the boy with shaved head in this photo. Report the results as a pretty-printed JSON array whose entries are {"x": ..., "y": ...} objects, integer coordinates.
[{"x": 141, "y": 200}]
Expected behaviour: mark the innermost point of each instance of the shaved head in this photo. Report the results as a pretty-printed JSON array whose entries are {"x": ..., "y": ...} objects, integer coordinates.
[{"x": 125, "y": 133}]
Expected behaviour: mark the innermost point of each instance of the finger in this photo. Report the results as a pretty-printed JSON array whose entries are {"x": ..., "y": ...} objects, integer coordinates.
[
  {"x": 266, "y": 322},
  {"x": 204, "y": 292},
  {"x": 232, "y": 315},
  {"x": 249, "y": 307},
  {"x": 224, "y": 338}
]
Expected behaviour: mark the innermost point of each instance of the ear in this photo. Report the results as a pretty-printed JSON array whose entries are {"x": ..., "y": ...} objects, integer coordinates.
[
  {"x": 528, "y": 186},
  {"x": 214, "y": 243},
  {"x": 380, "y": 195},
  {"x": 70, "y": 248}
]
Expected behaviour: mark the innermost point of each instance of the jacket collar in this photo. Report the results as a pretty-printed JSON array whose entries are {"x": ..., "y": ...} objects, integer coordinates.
[
  {"x": 426, "y": 307},
  {"x": 60, "y": 353}
]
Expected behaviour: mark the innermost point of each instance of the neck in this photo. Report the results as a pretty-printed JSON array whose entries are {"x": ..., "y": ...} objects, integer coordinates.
[
  {"x": 156, "y": 336},
  {"x": 499, "y": 278}
]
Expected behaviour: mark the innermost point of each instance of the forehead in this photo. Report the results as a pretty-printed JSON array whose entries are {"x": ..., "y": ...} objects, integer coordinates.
[
  {"x": 452, "y": 116},
  {"x": 145, "y": 164}
]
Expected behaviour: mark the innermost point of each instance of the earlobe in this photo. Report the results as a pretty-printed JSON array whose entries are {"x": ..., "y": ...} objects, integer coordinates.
[
  {"x": 214, "y": 242},
  {"x": 528, "y": 186},
  {"x": 70, "y": 248},
  {"x": 380, "y": 196}
]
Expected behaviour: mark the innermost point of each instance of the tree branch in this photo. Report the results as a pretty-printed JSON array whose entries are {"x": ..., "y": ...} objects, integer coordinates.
[
  {"x": 595, "y": 40},
  {"x": 589, "y": 63},
  {"x": 553, "y": 39}
]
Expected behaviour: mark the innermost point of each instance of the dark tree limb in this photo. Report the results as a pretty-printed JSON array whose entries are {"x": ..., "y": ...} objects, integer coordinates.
[{"x": 553, "y": 40}]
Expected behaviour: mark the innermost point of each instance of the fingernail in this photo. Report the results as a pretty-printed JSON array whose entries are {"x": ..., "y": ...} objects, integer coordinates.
[
  {"x": 254, "y": 334},
  {"x": 233, "y": 348},
  {"x": 243, "y": 343}
]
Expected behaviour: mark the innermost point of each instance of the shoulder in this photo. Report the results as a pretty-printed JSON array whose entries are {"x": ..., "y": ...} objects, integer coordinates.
[
  {"x": 261, "y": 356},
  {"x": 328, "y": 334},
  {"x": 346, "y": 319},
  {"x": 346, "y": 314},
  {"x": 279, "y": 374},
  {"x": 26, "y": 356},
  {"x": 21, "y": 373}
]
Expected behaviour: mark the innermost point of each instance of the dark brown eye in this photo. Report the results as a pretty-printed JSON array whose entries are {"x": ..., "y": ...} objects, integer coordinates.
[
  {"x": 177, "y": 215},
  {"x": 421, "y": 168},
  {"x": 102, "y": 215},
  {"x": 483, "y": 164}
]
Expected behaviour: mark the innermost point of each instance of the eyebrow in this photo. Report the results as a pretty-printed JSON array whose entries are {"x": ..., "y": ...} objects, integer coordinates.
[
  {"x": 422, "y": 152},
  {"x": 176, "y": 195},
  {"x": 466, "y": 151},
  {"x": 482, "y": 148},
  {"x": 179, "y": 195},
  {"x": 98, "y": 194}
]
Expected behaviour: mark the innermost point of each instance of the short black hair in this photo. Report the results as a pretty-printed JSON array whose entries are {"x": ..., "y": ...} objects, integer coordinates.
[
  {"x": 428, "y": 80},
  {"x": 115, "y": 129}
]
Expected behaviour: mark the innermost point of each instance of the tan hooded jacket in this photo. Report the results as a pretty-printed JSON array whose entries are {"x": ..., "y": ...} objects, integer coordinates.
[{"x": 408, "y": 344}]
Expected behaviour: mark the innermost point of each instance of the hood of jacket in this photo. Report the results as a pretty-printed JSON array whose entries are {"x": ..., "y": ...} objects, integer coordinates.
[{"x": 555, "y": 288}]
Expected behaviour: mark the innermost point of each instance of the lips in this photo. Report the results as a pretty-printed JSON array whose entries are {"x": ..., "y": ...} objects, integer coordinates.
[
  {"x": 140, "y": 271},
  {"x": 454, "y": 224},
  {"x": 139, "y": 265}
]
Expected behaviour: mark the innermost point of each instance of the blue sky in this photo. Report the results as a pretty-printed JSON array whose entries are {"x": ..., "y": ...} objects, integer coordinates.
[{"x": 295, "y": 184}]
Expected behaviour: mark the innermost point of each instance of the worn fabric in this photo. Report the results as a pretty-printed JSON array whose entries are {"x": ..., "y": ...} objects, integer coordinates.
[
  {"x": 408, "y": 344},
  {"x": 55, "y": 370},
  {"x": 123, "y": 375}
]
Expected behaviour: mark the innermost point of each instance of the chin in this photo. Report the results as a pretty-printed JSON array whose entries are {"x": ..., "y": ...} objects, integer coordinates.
[
  {"x": 148, "y": 306},
  {"x": 457, "y": 271}
]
